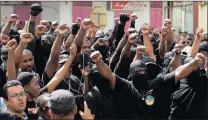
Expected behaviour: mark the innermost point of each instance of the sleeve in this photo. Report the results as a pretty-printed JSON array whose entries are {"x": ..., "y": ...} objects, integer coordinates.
[
  {"x": 124, "y": 88},
  {"x": 93, "y": 101},
  {"x": 170, "y": 82}
]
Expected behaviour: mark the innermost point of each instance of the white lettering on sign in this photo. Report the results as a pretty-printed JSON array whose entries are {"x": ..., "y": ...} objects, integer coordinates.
[{"x": 133, "y": 5}]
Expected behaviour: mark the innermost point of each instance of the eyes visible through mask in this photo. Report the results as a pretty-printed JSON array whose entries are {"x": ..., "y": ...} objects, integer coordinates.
[{"x": 140, "y": 70}]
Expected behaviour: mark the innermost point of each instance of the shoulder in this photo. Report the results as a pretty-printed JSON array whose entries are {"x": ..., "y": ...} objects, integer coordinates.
[{"x": 6, "y": 115}]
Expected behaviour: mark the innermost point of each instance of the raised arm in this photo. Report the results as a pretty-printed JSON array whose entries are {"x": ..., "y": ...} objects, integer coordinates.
[
  {"x": 7, "y": 27},
  {"x": 11, "y": 69},
  {"x": 70, "y": 39},
  {"x": 176, "y": 61},
  {"x": 186, "y": 69},
  {"x": 78, "y": 40},
  {"x": 25, "y": 38},
  {"x": 147, "y": 43},
  {"x": 170, "y": 34},
  {"x": 52, "y": 63},
  {"x": 196, "y": 44},
  {"x": 163, "y": 43},
  {"x": 103, "y": 69},
  {"x": 61, "y": 73}
]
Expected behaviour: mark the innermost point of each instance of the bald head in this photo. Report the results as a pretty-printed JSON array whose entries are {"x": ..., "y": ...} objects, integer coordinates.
[{"x": 26, "y": 52}]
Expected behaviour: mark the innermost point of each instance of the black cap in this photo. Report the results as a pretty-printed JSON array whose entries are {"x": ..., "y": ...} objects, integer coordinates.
[
  {"x": 203, "y": 46},
  {"x": 25, "y": 77},
  {"x": 62, "y": 102}
]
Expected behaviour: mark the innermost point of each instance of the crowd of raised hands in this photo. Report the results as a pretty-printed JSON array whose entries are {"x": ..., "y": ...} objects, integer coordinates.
[{"x": 73, "y": 71}]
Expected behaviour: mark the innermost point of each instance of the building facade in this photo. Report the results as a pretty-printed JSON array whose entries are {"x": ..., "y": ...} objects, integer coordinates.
[{"x": 186, "y": 16}]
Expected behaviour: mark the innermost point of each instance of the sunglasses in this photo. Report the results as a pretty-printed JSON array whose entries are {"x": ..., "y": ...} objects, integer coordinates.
[{"x": 184, "y": 42}]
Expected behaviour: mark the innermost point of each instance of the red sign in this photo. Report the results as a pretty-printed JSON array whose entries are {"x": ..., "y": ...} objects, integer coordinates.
[{"x": 126, "y": 5}]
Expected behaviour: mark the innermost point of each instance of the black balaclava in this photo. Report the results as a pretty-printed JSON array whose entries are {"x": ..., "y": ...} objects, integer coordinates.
[{"x": 140, "y": 81}]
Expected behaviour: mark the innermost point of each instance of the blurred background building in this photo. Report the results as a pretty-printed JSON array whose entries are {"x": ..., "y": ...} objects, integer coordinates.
[{"x": 186, "y": 16}]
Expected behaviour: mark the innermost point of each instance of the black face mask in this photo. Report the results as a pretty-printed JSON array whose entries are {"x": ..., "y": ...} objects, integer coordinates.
[{"x": 140, "y": 81}]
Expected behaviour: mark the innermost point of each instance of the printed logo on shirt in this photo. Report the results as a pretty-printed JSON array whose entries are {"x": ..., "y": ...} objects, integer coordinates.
[{"x": 149, "y": 100}]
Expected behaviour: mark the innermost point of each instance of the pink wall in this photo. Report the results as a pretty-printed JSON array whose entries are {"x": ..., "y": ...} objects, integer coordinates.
[
  {"x": 156, "y": 14},
  {"x": 24, "y": 12}
]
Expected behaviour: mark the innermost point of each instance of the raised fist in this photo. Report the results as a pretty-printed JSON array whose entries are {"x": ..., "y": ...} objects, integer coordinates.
[
  {"x": 124, "y": 17},
  {"x": 145, "y": 29},
  {"x": 141, "y": 50},
  {"x": 178, "y": 48},
  {"x": 133, "y": 16},
  {"x": 63, "y": 29},
  {"x": 86, "y": 23},
  {"x": 26, "y": 37},
  {"x": 12, "y": 44},
  {"x": 130, "y": 31},
  {"x": 199, "y": 32},
  {"x": 73, "y": 50},
  {"x": 13, "y": 18},
  {"x": 116, "y": 20},
  {"x": 164, "y": 30},
  {"x": 200, "y": 59},
  {"x": 40, "y": 29},
  {"x": 132, "y": 38},
  {"x": 168, "y": 24},
  {"x": 78, "y": 20},
  {"x": 96, "y": 56}
]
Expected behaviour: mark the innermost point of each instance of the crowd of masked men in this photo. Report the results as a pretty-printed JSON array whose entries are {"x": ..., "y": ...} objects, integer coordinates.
[{"x": 55, "y": 71}]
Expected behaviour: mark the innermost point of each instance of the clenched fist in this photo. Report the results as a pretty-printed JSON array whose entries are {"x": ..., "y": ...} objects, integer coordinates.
[
  {"x": 199, "y": 32},
  {"x": 145, "y": 29},
  {"x": 200, "y": 59},
  {"x": 86, "y": 23},
  {"x": 164, "y": 31},
  {"x": 141, "y": 50},
  {"x": 132, "y": 38},
  {"x": 96, "y": 56},
  {"x": 13, "y": 18},
  {"x": 12, "y": 44},
  {"x": 178, "y": 48},
  {"x": 26, "y": 37},
  {"x": 133, "y": 16},
  {"x": 63, "y": 29},
  {"x": 168, "y": 24},
  {"x": 130, "y": 31},
  {"x": 40, "y": 29},
  {"x": 73, "y": 50}
]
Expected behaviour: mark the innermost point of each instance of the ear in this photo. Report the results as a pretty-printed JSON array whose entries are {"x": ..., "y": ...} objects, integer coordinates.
[
  {"x": 26, "y": 88},
  {"x": 75, "y": 110}
]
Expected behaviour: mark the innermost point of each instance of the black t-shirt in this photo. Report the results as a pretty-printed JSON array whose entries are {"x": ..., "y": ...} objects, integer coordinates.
[
  {"x": 161, "y": 89},
  {"x": 73, "y": 84},
  {"x": 2, "y": 79},
  {"x": 31, "y": 106},
  {"x": 101, "y": 105},
  {"x": 190, "y": 100},
  {"x": 128, "y": 101}
]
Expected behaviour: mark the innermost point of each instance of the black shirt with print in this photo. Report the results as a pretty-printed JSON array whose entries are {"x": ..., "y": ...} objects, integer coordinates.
[
  {"x": 128, "y": 101},
  {"x": 161, "y": 88}
]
